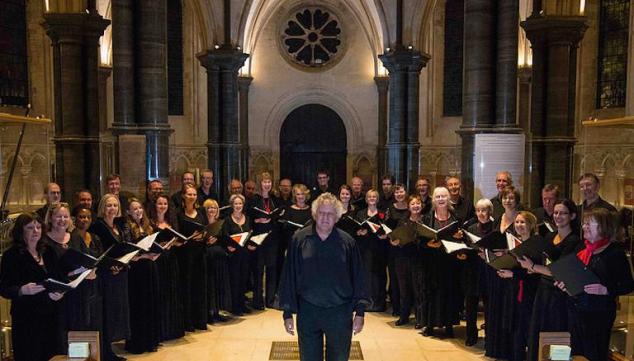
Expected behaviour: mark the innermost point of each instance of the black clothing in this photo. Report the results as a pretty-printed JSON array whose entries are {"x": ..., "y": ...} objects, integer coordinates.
[
  {"x": 298, "y": 216},
  {"x": 238, "y": 263},
  {"x": 326, "y": 273},
  {"x": 314, "y": 322},
  {"x": 202, "y": 196},
  {"x": 550, "y": 307},
  {"x": 176, "y": 201},
  {"x": 498, "y": 208},
  {"x": 543, "y": 217},
  {"x": 285, "y": 202},
  {"x": 145, "y": 317},
  {"x": 263, "y": 261},
  {"x": 359, "y": 201},
  {"x": 394, "y": 215},
  {"x": 192, "y": 262},
  {"x": 591, "y": 316},
  {"x": 426, "y": 205},
  {"x": 384, "y": 202},
  {"x": 218, "y": 287},
  {"x": 316, "y": 191},
  {"x": 41, "y": 212},
  {"x": 408, "y": 267},
  {"x": 171, "y": 323},
  {"x": 34, "y": 318},
  {"x": 374, "y": 255},
  {"x": 599, "y": 203},
  {"x": 463, "y": 210}
]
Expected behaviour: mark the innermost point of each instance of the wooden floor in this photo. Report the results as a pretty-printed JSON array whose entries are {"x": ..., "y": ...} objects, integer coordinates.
[{"x": 249, "y": 339}]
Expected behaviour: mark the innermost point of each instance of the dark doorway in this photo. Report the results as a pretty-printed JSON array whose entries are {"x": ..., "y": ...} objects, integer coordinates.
[{"x": 313, "y": 137}]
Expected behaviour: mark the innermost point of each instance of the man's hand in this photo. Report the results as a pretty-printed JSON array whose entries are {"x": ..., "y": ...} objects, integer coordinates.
[
  {"x": 289, "y": 325},
  {"x": 357, "y": 325}
]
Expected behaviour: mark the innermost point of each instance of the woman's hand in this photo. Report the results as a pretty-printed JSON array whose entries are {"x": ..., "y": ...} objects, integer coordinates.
[
  {"x": 31, "y": 289},
  {"x": 262, "y": 220},
  {"x": 499, "y": 253},
  {"x": 92, "y": 275},
  {"x": 434, "y": 244},
  {"x": 211, "y": 240},
  {"x": 505, "y": 273},
  {"x": 482, "y": 255},
  {"x": 461, "y": 256},
  {"x": 395, "y": 242},
  {"x": 596, "y": 289},
  {"x": 526, "y": 263},
  {"x": 197, "y": 236},
  {"x": 231, "y": 249},
  {"x": 362, "y": 232},
  {"x": 560, "y": 285},
  {"x": 251, "y": 247},
  {"x": 55, "y": 296},
  {"x": 382, "y": 236},
  {"x": 115, "y": 270},
  {"x": 458, "y": 235}
]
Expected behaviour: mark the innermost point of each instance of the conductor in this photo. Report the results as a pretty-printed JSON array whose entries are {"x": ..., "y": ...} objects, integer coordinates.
[{"x": 323, "y": 283}]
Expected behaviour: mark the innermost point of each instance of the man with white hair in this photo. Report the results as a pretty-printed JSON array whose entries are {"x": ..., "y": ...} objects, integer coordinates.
[{"x": 323, "y": 283}]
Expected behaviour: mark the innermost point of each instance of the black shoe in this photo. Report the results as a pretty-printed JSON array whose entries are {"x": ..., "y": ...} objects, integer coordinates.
[
  {"x": 428, "y": 331},
  {"x": 449, "y": 331},
  {"x": 401, "y": 322},
  {"x": 418, "y": 326},
  {"x": 220, "y": 318},
  {"x": 395, "y": 314},
  {"x": 470, "y": 341}
]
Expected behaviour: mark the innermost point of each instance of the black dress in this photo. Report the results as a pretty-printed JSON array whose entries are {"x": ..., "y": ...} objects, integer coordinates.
[
  {"x": 550, "y": 307},
  {"x": 374, "y": 255},
  {"x": 192, "y": 261},
  {"x": 441, "y": 283},
  {"x": 238, "y": 263},
  {"x": 218, "y": 282},
  {"x": 171, "y": 323},
  {"x": 34, "y": 318},
  {"x": 408, "y": 268},
  {"x": 263, "y": 261},
  {"x": 298, "y": 216},
  {"x": 591, "y": 316},
  {"x": 394, "y": 215},
  {"x": 116, "y": 308}
]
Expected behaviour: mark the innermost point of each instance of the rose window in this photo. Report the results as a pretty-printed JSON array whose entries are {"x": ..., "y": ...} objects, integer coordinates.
[{"x": 312, "y": 37}]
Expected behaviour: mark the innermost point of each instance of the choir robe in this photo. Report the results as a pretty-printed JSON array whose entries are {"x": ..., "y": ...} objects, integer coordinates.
[
  {"x": 591, "y": 316},
  {"x": 550, "y": 307},
  {"x": 34, "y": 318},
  {"x": 374, "y": 255},
  {"x": 116, "y": 308},
  {"x": 192, "y": 262},
  {"x": 299, "y": 216},
  {"x": 394, "y": 216},
  {"x": 238, "y": 263},
  {"x": 263, "y": 260},
  {"x": 218, "y": 277},
  {"x": 408, "y": 268},
  {"x": 440, "y": 284}
]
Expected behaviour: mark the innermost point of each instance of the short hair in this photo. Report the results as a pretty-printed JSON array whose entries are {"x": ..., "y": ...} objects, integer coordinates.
[
  {"x": 187, "y": 172},
  {"x": 589, "y": 176},
  {"x": 423, "y": 177},
  {"x": 400, "y": 186},
  {"x": 388, "y": 177},
  {"x": 78, "y": 208},
  {"x": 508, "y": 175},
  {"x": 605, "y": 220},
  {"x": 101, "y": 209},
  {"x": 80, "y": 192},
  {"x": 371, "y": 190},
  {"x": 207, "y": 171},
  {"x": 51, "y": 210},
  {"x": 48, "y": 185},
  {"x": 262, "y": 177},
  {"x": 323, "y": 171},
  {"x": 302, "y": 188},
  {"x": 510, "y": 190},
  {"x": 530, "y": 219},
  {"x": 154, "y": 181},
  {"x": 346, "y": 187},
  {"x": 112, "y": 177},
  {"x": 209, "y": 203},
  {"x": 485, "y": 203},
  {"x": 552, "y": 188},
  {"x": 327, "y": 199},
  {"x": 235, "y": 180},
  {"x": 233, "y": 198},
  {"x": 17, "y": 233},
  {"x": 452, "y": 177}
]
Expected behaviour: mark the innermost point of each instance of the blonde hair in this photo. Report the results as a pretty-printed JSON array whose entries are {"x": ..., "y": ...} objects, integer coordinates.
[
  {"x": 302, "y": 188},
  {"x": 101, "y": 209},
  {"x": 433, "y": 198},
  {"x": 530, "y": 220},
  {"x": 48, "y": 218},
  {"x": 211, "y": 203}
]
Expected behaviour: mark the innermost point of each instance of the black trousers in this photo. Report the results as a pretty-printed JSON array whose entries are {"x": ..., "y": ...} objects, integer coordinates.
[
  {"x": 403, "y": 270},
  {"x": 264, "y": 264},
  {"x": 590, "y": 332},
  {"x": 394, "y": 287},
  {"x": 313, "y": 323}
]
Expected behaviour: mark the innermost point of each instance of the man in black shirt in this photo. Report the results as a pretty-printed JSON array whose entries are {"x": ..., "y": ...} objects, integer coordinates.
[
  {"x": 323, "y": 283},
  {"x": 176, "y": 199},
  {"x": 544, "y": 214},
  {"x": 323, "y": 184},
  {"x": 589, "y": 188},
  {"x": 503, "y": 179},
  {"x": 205, "y": 190},
  {"x": 386, "y": 197},
  {"x": 53, "y": 195},
  {"x": 422, "y": 189},
  {"x": 357, "y": 197},
  {"x": 463, "y": 209}
]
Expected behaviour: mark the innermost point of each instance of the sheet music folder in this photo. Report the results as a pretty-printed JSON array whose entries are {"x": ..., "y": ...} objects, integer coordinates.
[{"x": 573, "y": 273}]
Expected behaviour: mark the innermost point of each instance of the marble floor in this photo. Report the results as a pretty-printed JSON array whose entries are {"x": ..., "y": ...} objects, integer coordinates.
[{"x": 249, "y": 339}]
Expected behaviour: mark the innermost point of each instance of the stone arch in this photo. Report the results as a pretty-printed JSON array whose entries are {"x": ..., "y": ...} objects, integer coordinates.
[
  {"x": 365, "y": 169},
  {"x": 419, "y": 23},
  {"x": 330, "y": 98},
  {"x": 262, "y": 164},
  {"x": 204, "y": 14}
]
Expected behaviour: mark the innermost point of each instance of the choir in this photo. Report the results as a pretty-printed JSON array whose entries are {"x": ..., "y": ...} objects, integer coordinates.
[{"x": 151, "y": 271}]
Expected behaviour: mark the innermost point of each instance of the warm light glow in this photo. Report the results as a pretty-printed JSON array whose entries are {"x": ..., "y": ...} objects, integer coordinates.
[
  {"x": 245, "y": 70},
  {"x": 524, "y": 51},
  {"x": 582, "y": 6},
  {"x": 381, "y": 70},
  {"x": 104, "y": 7},
  {"x": 46, "y": 6}
]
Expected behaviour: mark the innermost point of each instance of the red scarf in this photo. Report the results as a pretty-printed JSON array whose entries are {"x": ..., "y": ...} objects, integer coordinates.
[{"x": 586, "y": 254}]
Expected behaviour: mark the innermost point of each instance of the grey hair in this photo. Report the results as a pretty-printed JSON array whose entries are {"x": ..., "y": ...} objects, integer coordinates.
[{"x": 327, "y": 199}]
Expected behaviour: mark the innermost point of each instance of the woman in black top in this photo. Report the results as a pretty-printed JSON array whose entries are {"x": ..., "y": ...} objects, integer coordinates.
[
  {"x": 373, "y": 249},
  {"x": 34, "y": 312},
  {"x": 440, "y": 302},
  {"x": 524, "y": 285},
  {"x": 475, "y": 277},
  {"x": 112, "y": 230},
  {"x": 237, "y": 222},
  {"x": 263, "y": 258},
  {"x": 592, "y": 313},
  {"x": 218, "y": 286},
  {"x": 144, "y": 287},
  {"x": 192, "y": 262},
  {"x": 395, "y": 212},
  {"x": 171, "y": 309},
  {"x": 349, "y": 210},
  {"x": 550, "y": 307}
]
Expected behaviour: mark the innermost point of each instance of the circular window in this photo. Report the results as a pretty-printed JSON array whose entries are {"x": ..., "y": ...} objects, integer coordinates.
[{"x": 312, "y": 37}]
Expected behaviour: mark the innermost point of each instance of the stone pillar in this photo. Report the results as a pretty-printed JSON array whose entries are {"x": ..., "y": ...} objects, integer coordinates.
[
  {"x": 104, "y": 73},
  {"x": 404, "y": 66},
  {"x": 75, "y": 41},
  {"x": 478, "y": 86},
  {"x": 506, "y": 71},
  {"x": 382, "y": 86},
  {"x": 524, "y": 110},
  {"x": 151, "y": 86},
  {"x": 123, "y": 65},
  {"x": 554, "y": 40},
  {"x": 224, "y": 146},
  {"x": 244, "y": 82}
]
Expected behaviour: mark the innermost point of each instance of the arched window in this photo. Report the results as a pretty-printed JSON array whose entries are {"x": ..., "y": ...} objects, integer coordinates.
[
  {"x": 614, "y": 20},
  {"x": 14, "y": 79},
  {"x": 452, "y": 73}
]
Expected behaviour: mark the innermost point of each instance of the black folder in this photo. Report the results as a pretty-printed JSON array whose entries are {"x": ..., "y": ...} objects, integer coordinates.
[
  {"x": 573, "y": 273},
  {"x": 53, "y": 285},
  {"x": 507, "y": 261},
  {"x": 406, "y": 234}
]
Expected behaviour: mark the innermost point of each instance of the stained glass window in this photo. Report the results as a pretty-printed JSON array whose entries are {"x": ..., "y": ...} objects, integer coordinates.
[
  {"x": 14, "y": 80},
  {"x": 614, "y": 22},
  {"x": 312, "y": 37}
]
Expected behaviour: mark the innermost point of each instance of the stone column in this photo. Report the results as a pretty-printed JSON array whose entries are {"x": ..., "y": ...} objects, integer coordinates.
[
  {"x": 506, "y": 71},
  {"x": 224, "y": 146},
  {"x": 554, "y": 40},
  {"x": 524, "y": 110},
  {"x": 382, "y": 86},
  {"x": 123, "y": 65},
  {"x": 75, "y": 41},
  {"x": 244, "y": 82},
  {"x": 404, "y": 66}
]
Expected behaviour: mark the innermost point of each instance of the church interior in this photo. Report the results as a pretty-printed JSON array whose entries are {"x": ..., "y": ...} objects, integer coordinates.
[{"x": 150, "y": 89}]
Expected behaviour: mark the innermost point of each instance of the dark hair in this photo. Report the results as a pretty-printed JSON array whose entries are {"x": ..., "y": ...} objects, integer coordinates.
[
  {"x": 590, "y": 176},
  {"x": 400, "y": 185},
  {"x": 323, "y": 171},
  {"x": 17, "y": 233},
  {"x": 112, "y": 177},
  {"x": 511, "y": 190},
  {"x": 187, "y": 186},
  {"x": 152, "y": 214},
  {"x": 388, "y": 177},
  {"x": 78, "y": 208},
  {"x": 572, "y": 209}
]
